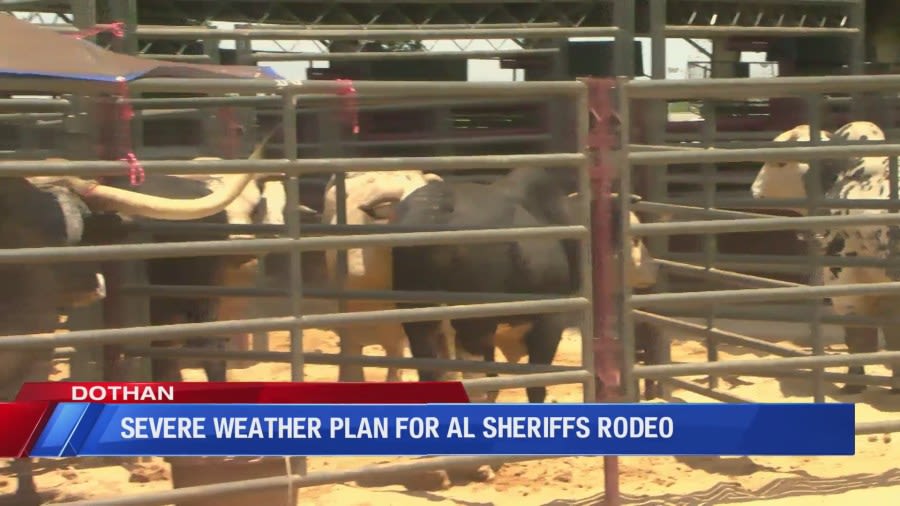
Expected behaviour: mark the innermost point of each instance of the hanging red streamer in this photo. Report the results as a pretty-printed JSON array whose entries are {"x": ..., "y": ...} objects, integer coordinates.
[
  {"x": 125, "y": 111},
  {"x": 351, "y": 114},
  {"x": 117, "y": 29}
]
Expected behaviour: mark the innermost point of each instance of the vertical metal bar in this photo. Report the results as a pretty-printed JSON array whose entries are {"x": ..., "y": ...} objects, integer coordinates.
[
  {"x": 623, "y": 58},
  {"x": 656, "y": 127},
  {"x": 892, "y": 179},
  {"x": 892, "y": 208},
  {"x": 129, "y": 17},
  {"x": 329, "y": 129},
  {"x": 292, "y": 220},
  {"x": 856, "y": 18},
  {"x": 815, "y": 193},
  {"x": 710, "y": 246},
  {"x": 656, "y": 179},
  {"x": 623, "y": 14},
  {"x": 626, "y": 324},
  {"x": 213, "y": 126},
  {"x": 88, "y": 362},
  {"x": 249, "y": 120},
  {"x": 84, "y": 13},
  {"x": 623, "y": 302},
  {"x": 582, "y": 127}
]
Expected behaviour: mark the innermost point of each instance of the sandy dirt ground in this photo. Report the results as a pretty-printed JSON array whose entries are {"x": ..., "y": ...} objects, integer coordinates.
[{"x": 872, "y": 475}]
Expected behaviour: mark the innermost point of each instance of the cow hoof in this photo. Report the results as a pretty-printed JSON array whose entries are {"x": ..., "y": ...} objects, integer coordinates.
[
  {"x": 853, "y": 389},
  {"x": 482, "y": 474}
]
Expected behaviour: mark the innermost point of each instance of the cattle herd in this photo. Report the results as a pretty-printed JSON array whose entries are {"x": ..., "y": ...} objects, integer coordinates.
[{"x": 40, "y": 212}]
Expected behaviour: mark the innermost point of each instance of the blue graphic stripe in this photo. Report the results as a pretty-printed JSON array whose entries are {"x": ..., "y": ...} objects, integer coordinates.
[
  {"x": 473, "y": 429},
  {"x": 58, "y": 431}
]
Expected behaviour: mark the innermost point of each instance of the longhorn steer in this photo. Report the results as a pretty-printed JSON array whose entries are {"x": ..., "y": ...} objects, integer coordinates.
[
  {"x": 50, "y": 211},
  {"x": 849, "y": 178},
  {"x": 260, "y": 203}
]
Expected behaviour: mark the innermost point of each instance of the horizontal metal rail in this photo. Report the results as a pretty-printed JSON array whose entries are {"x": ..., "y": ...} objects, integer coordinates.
[
  {"x": 789, "y": 2},
  {"x": 853, "y": 379},
  {"x": 694, "y": 31},
  {"x": 310, "y": 293},
  {"x": 184, "y": 58},
  {"x": 719, "y": 334},
  {"x": 365, "y": 33},
  {"x": 400, "y": 32},
  {"x": 713, "y": 273},
  {"x": 762, "y": 294},
  {"x": 527, "y": 380},
  {"x": 166, "y": 497},
  {"x": 40, "y": 119},
  {"x": 880, "y": 427},
  {"x": 460, "y": 137},
  {"x": 783, "y": 314},
  {"x": 780, "y": 204},
  {"x": 195, "y": 229},
  {"x": 368, "y": 102},
  {"x": 437, "y": 26},
  {"x": 293, "y": 167},
  {"x": 690, "y": 210},
  {"x": 765, "y": 262},
  {"x": 757, "y": 87},
  {"x": 705, "y": 391},
  {"x": 256, "y": 246},
  {"x": 332, "y": 320},
  {"x": 198, "y": 102},
  {"x": 638, "y": 148},
  {"x": 396, "y": 89},
  {"x": 432, "y": 364},
  {"x": 267, "y": 56},
  {"x": 773, "y": 154},
  {"x": 35, "y": 105},
  {"x": 764, "y": 365},
  {"x": 762, "y": 224}
]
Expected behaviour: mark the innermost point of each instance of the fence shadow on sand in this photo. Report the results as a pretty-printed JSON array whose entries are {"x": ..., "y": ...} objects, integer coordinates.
[{"x": 734, "y": 493}]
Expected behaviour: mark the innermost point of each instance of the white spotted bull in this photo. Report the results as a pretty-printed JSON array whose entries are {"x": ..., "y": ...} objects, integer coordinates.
[{"x": 846, "y": 178}]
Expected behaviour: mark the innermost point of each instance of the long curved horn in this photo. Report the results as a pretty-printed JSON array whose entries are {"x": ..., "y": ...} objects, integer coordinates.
[{"x": 128, "y": 202}]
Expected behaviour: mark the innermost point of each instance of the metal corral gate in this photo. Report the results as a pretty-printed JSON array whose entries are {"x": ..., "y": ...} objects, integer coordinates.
[
  {"x": 711, "y": 220},
  {"x": 294, "y": 243}
]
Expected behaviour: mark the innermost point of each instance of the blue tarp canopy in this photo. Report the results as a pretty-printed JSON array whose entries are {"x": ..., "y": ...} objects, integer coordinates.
[{"x": 27, "y": 50}]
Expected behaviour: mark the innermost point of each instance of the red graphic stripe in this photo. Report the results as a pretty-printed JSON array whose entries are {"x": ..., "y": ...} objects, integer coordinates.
[
  {"x": 246, "y": 392},
  {"x": 22, "y": 423}
]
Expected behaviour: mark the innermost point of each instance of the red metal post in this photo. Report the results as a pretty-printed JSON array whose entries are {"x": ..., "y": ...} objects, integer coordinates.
[{"x": 606, "y": 348}]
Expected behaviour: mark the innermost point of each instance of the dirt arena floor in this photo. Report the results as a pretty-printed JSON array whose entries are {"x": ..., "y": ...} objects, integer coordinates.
[{"x": 871, "y": 476}]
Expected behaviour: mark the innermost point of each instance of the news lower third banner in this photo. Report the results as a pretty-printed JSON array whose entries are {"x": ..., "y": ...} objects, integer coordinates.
[{"x": 56, "y": 422}]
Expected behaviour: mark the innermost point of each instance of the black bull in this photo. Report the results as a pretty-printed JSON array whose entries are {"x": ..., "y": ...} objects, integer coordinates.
[
  {"x": 33, "y": 295},
  {"x": 524, "y": 197}
]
